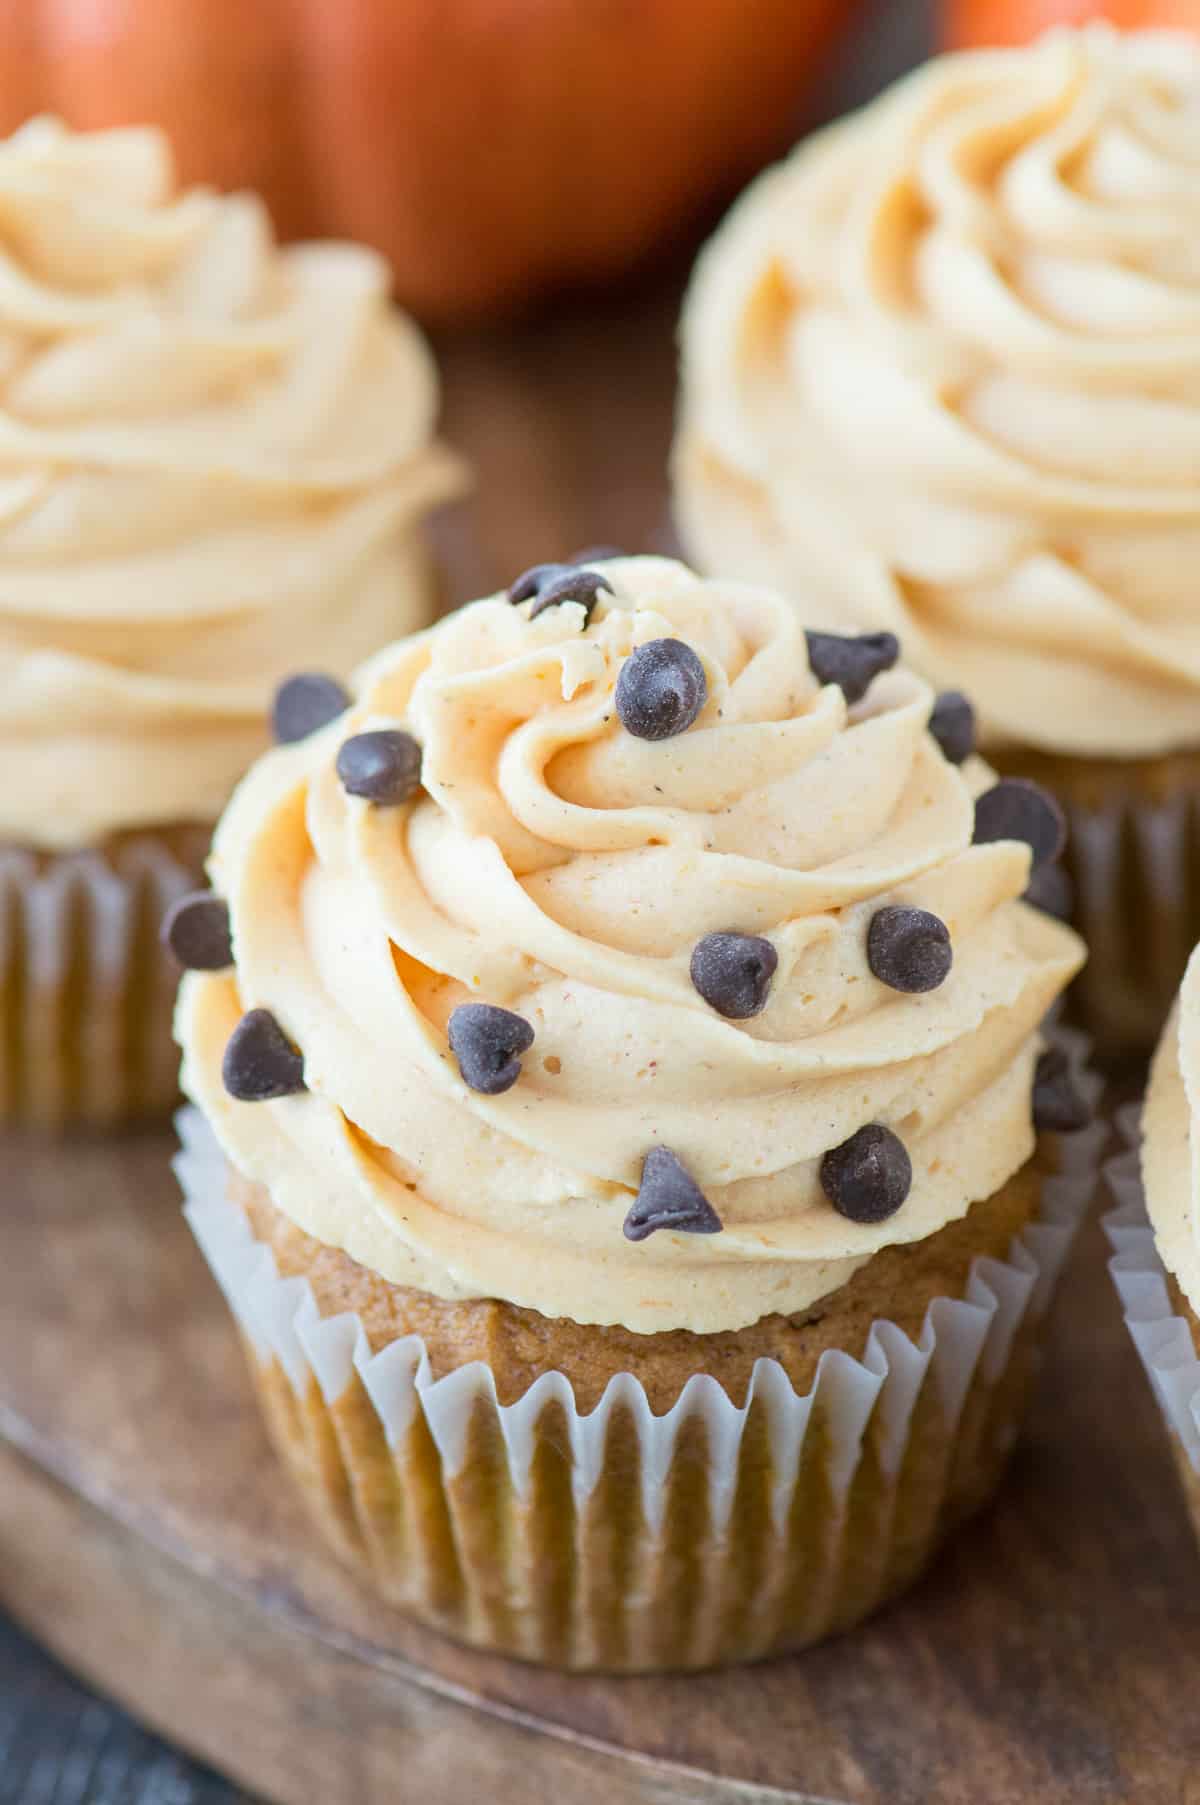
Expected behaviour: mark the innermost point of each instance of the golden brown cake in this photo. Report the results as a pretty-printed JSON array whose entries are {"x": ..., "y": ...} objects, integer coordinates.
[{"x": 626, "y": 1085}]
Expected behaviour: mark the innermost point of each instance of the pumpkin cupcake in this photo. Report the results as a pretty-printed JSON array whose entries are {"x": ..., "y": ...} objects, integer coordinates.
[
  {"x": 1154, "y": 1230},
  {"x": 939, "y": 378},
  {"x": 626, "y": 1092},
  {"x": 216, "y": 454}
]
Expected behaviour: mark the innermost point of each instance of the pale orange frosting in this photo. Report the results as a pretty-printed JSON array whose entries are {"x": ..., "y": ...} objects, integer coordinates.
[
  {"x": 941, "y": 374},
  {"x": 558, "y": 867},
  {"x": 1171, "y": 1138},
  {"x": 213, "y": 457}
]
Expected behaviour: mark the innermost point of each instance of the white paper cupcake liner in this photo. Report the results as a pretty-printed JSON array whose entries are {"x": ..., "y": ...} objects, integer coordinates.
[
  {"x": 1161, "y": 1336},
  {"x": 1134, "y": 868},
  {"x": 86, "y": 989},
  {"x": 856, "y": 1481}
]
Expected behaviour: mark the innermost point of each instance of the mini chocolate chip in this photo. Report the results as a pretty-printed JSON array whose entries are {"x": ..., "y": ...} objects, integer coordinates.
[
  {"x": 534, "y": 580},
  {"x": 909, "y": 949},
  {"x": 1058, "y": 1106},
  {"x": 851, "y": 660},
  {"x": 1015, "y": 809},
  {"x": 733, "y": 973},
  {"x": 582, "y": 586},
  {"x": 868, "y": 1177},
  {"x": 260, "y": 1061},
  {"x": 596, "y": 554},
  {"x": 305, "y": 703},
  {"x": 661, "y": 690},
  {"x": 486, "y": 1042},
  {"x": 196, "y": 928},
  {"x": 952, "y": 724},
  {"x": 384, "y": 766},
  {"x": 1050, "y": 890},
  {"x": 669, "y": 1197}
]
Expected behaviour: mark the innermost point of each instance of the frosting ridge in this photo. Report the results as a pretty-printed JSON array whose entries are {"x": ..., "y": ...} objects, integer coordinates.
[
  {"x": 941, "y": 374},
  {"x": 558, "y": 867},
  {"x": 1171, "y": 1138},
  {"x": 213, "y": 455}
]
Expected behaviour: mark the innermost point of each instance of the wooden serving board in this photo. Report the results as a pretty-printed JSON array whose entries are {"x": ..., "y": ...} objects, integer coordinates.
[{"x": 147, "y": 1538}]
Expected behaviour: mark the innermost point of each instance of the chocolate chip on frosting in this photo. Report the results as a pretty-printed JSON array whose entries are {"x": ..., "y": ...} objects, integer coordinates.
[
  {"x": 487, "y": 1042},
  {"x": 304, "y": 704},
  {"x": 909, "y": 949},
  {"x": 260, "y": 1061},
  {"x": 868, "y": 1177},
  {"x": 952, "y": 724},
  {"x": 733, "y": 973},
  {"x": 661, "y": 690},
  {"x": 669, "y": 1197},
  {"x": 531, "y": 581},
  {"x": 196, "y": 928},
  {"x": 851, "y": 660},
  {"x": 383, "y": 766},
  {"x": 1050, "y": 890},
  {"x": 1058, "y": 1106},
  {"x": 582, "y": 586},
  {"x": 1016, "y": 809}
]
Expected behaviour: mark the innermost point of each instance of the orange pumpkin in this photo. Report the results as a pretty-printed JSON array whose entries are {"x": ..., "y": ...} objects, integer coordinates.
[
  {"x": 492, "y": 149},
  {"x": 976, "y": 22}
]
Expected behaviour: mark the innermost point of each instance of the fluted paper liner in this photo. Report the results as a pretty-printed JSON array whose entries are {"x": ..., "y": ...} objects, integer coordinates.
[
  {"x": 1134, "y": 867},
  {"x": 86, "y": 988},
  {"x": 1162, "y": 1336},
  {"x": 623, "y": 1540}
]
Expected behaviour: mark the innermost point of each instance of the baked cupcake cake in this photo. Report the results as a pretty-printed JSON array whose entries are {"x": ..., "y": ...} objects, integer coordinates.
[
  {"x": 939, "y": 378},
  {"x": 215, "y": 456},
  {"x": 1154, "y": 1231},
  {"x": 627, "y": 1084}
]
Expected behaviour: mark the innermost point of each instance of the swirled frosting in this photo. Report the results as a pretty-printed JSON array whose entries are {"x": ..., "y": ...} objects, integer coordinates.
[
  {"x": 1171, "y": 1138},
  {"x": 213, "y": 455},
  {"x": 941, "y": 374},
  {"x": 560, "y": 868}
]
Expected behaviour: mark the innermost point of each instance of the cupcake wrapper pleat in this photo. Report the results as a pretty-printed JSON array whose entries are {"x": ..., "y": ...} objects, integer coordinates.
[
  {"x": 1162, "y": 1337},
  {"x": 1135, "y": 870},
  {"x": 623, "y": 1540},
  {"x": 86, "y": 988}
]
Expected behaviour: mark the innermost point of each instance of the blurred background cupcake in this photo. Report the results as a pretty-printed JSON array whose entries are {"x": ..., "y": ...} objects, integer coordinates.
[
  {"x": 214, "y": 457},
  {"x": 1154, "y": 1231},
  {"x": 631, "y": 1003},
  {"x": 939, "y": 377}
]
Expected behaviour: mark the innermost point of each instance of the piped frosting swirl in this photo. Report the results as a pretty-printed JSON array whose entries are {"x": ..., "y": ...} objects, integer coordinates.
[
  {"x": 942, "y": 375},
  {"x": 213, "y": 455},
  {"x": 556, "y": 866},
  {"x": 1171, "y": 1138}
]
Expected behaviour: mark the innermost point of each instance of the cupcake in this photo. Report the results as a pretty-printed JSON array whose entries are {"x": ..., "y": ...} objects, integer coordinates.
[
  {"x": 1154, "y": 1231},
  {"x": 939, "y": 378},
  {"x": 217, "y": 453},
  {"x": 622, "y": 1106}
]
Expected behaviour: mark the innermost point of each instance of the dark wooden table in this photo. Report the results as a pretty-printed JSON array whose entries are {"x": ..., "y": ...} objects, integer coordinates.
[{"x": 574, "y": 412}]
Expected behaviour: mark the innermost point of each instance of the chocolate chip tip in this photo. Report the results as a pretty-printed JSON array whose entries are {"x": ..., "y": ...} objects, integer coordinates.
[
  {"x": 661, "y": 689},
  {"x": 909, "y": 949},
  {"x": 382, "y": 766},
  {"x": 487, "y": 1043},
  {"x": 304, "y": 704},
  {"x": 196, "y": 930},
  {"x": 669, "y": 1198},
  {"x": 260, "y": 1063},
  {"x": 733, "y": 973},
  {"x": 868, "y": 1177}
]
